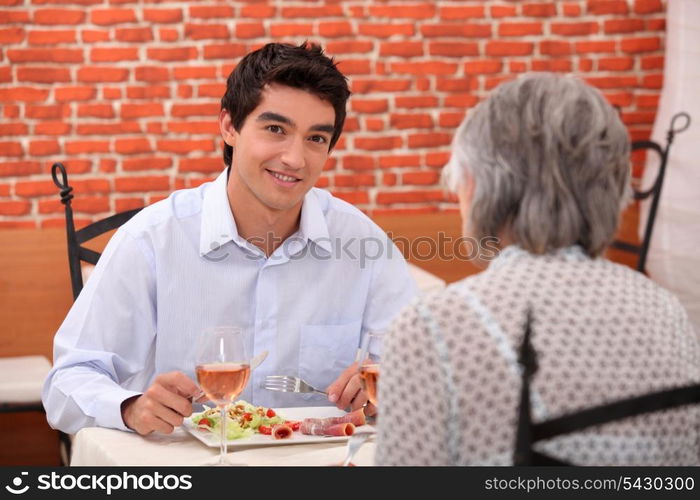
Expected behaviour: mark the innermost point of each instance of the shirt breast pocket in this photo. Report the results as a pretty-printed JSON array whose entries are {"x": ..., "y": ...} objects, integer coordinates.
[{"x": 325, "y": 351}]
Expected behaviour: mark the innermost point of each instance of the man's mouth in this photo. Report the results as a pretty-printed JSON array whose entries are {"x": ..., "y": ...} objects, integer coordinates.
[{"x": 282, "y": 177}]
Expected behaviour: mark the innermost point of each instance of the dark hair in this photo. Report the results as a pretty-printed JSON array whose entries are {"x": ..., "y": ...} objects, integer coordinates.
[{"x": 305, "y": 67}]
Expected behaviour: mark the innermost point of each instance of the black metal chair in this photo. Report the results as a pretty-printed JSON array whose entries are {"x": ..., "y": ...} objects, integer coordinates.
[
  {"x": 654, "y": 192},
  {"x": 529, "y": 433},
  {"x": 78, "y": 253}
]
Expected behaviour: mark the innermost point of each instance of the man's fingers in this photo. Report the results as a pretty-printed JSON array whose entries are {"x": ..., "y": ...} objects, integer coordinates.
[
  {"x": 336, "y": 389},
  {"x": 155, "y": 424},
  {"x": 163, "y": 406},
  {"x": 350, "y": 392},
  {"x": 178, "y": 382},
  {"x": 145, "y": 419},
  {"x": 165, "y": 397},
  {"x": 168, "y": 416},
  {"x": 359, "y": 401}
]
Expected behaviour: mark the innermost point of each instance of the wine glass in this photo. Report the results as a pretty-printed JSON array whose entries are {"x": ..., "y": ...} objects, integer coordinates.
[
  {"x": 368, "y": 363},
  {"x": 223, "y": 370}
]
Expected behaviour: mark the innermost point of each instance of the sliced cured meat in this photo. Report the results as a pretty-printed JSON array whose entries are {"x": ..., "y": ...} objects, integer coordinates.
[
  {"x": 346, "y": 429},
  {"x": 356, "y": 418},
  {"x": 320, "y": 427},
  {"x": 312, "y": 426}
]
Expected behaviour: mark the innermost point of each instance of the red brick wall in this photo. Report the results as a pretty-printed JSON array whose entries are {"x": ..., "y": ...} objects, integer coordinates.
[{"x": 126, "y": 93}]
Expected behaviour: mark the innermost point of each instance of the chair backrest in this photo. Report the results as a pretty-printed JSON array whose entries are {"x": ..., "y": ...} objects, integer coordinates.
[
  {"x": 654, "y": 192},
  {"x": 529, "y": 433},
  {"x": 77, "y": 252}
]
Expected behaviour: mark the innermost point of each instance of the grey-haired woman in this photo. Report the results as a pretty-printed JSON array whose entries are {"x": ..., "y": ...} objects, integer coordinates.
[{"x": 543, "y": 166}]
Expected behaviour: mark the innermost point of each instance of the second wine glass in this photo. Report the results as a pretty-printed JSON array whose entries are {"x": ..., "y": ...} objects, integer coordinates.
[
  {"x": 368, "y": 363},
  {"x": 223, "y": 370}
]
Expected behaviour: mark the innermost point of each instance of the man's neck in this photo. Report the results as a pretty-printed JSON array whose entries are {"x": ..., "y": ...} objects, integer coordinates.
[{"x": 262, "y": 226}]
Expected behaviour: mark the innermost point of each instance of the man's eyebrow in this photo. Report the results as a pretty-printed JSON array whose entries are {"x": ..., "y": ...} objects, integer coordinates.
[
  {"x": 323, "y": 128},
  {"x": 271, "y": 116}
]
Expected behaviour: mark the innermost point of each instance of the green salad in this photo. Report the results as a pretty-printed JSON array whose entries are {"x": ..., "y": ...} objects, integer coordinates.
[{"x": 242, "y": 419}]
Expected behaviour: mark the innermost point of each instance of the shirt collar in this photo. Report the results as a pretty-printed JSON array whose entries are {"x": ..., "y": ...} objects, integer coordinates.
[
  {"x": 313, "y": 225},
  {"x": 514, "y": 252},
  {"x": 219, "y": 227}
]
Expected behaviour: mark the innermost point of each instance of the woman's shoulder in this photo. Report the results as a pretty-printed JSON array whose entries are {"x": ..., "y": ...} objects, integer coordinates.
[
  {"x": 437, "y": 310},
  {"x": 625, "y": 276},
  {"x": 644, "y": 289},
  {"x": 503, "y": 291}
]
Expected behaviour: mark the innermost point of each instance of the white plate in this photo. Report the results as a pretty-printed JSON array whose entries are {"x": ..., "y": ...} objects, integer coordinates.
[{"x": 212, "y": 439}]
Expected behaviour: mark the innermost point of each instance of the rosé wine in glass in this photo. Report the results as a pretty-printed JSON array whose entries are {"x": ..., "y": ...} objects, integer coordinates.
[
  {"x": 223, "y": 369},
  {"x": 369, "y": 375},
  {"x": 368, "y": 363},
  {"x": 223, "y": 382}
]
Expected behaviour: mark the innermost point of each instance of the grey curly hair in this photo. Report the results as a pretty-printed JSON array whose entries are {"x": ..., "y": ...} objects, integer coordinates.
[{"x": 550, "y": 162}]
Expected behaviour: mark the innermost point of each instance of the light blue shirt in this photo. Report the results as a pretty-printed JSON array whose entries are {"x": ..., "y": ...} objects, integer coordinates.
[{"x": 179, "y": 266}]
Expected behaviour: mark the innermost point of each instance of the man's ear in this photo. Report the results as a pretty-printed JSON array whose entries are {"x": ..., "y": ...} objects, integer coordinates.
[{"x": 226, "y": 127}]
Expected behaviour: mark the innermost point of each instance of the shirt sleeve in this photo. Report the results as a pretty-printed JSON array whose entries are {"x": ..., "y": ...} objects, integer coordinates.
[
  {"x": 392, "y": 288},
  {"x": 105, "y": 340}
]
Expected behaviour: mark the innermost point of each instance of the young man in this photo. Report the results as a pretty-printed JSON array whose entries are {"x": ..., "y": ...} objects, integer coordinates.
[{"x": 303, "y": 273}]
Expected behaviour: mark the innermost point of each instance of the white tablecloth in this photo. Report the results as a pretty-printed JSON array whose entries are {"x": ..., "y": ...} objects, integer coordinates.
[
  {"x": 426, "y": 281},
  {"x": 97, "y": 446}
]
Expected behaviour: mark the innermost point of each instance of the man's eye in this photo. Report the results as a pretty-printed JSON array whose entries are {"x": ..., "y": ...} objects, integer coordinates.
[
  {"x": 275, "y": 129},
  {"x": 319, "y": 139}
]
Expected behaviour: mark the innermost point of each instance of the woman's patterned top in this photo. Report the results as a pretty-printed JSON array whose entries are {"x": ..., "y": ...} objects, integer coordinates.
[{"x": 450, "y": 380}]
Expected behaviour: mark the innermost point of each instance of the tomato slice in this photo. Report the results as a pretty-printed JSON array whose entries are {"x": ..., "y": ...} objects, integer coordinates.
[
  {"x": 270, "y": 413},
  {"x": 248, "y": 416},
  {"x": 294, "y": 424},
  {"x": 265, "y": 429},
  {"x": 205, "y": 422}
]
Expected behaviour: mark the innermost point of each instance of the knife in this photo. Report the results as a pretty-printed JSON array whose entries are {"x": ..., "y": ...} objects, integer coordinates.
[{"x": 255, "y": 362}]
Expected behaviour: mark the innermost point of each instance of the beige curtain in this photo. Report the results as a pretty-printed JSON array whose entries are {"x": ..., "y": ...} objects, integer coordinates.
[{"x": 674, "y": 256}]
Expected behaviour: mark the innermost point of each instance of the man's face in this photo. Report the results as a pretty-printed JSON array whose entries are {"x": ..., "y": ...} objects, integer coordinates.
[{"x": 280, "y": 151}]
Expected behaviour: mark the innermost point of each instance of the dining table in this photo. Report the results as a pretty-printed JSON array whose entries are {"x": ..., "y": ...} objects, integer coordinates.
[{"x": 97, "y": 446}]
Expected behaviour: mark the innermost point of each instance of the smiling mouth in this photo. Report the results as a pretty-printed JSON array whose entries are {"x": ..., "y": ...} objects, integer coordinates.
[{"x": 282, "y": 177}]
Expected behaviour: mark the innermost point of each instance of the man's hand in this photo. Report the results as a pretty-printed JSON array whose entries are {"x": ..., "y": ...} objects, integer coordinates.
[
  {"x": 347, "y": 391},
  {"x": 163, "y": 406}
]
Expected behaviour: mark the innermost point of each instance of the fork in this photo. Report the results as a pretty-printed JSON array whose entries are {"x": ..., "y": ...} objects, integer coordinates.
[
  {"x": 354, "y": 443},
  {"x": 287, "y": 383}
]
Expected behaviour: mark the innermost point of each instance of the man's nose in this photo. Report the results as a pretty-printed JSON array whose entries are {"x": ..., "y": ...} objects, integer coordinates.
[{"x": 293, "y": 154}]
